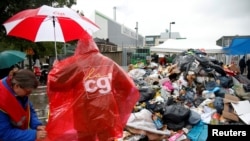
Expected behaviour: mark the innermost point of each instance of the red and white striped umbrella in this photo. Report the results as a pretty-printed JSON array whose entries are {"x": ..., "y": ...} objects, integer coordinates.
[{"x": 49, "y": 24}]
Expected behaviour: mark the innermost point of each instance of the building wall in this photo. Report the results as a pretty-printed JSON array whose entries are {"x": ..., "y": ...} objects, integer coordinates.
[
  {"x": 154, "y": 40},
  {"x": 225, "y": 41},
  {"x": 103, "y": 32},
  {"x": 151, "y": 40},
  {"x": 115, "y": 56},
  {"x": 116, "y": 33}
]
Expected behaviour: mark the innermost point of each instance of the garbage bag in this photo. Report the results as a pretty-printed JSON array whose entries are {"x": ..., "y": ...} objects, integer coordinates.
[
  {"x": 146, "y": 94},
  {"x": 175, "y": 113},
  {"x": 90, "y": 96},
  {"x": 183, "y": 62},
  {"x": 136, "y": 73}
]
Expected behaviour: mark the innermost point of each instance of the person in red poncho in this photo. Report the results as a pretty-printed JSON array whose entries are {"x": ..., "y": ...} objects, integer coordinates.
[{"x": 90, "y": 96}]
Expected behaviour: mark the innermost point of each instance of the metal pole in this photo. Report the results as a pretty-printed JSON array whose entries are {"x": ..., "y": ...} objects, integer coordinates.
[
  {"x": 114, "y": 13},
  {"x": 136, "y": 28},
  {"x": 169, "y": 31},
  {"x": 55, "y": 37}
]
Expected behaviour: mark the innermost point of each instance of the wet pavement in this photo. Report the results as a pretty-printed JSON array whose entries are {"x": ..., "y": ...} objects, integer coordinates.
[{"x": 39, "y": 100}]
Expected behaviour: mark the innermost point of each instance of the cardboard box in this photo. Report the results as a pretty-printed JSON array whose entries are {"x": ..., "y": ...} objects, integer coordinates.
[
  {"x": 228, "y": 111},
  {"x": 235, "y": 68},
  {"x": 243, "y": 111}
]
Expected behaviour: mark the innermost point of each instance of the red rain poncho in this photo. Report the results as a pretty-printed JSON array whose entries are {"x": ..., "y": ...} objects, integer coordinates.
[{"x": 90, "y": 96}]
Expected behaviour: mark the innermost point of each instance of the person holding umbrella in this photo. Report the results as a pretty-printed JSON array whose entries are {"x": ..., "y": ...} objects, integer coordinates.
[
  {"x": 5, "y": 72},
  {"x": 90, "y": 96},
  {"x": 10, "y": 59},
  {"x": 18, "y": 119}
]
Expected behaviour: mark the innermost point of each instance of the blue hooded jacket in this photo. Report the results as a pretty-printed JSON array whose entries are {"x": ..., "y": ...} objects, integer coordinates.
[{"x": 8, "y": 132}]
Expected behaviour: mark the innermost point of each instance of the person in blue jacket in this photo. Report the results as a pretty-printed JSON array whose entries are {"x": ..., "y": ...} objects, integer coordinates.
[{"x": 18, "y": 119}]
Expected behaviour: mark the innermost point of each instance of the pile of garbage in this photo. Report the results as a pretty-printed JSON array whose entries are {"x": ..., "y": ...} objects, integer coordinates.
[{"x": 179, "y": 101}]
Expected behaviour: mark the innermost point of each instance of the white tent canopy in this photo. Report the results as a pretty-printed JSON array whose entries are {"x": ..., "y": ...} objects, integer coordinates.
[{"x": 180, "y": 45}]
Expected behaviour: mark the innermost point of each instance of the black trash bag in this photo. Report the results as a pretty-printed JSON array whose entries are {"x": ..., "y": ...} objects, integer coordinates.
[
  {"x": 146, "y": 94},
  {"x": 210, "y": 85},
  {"x": 155, "y": 107},
  {"x": 242, "y": 79},
  {"x": 218, "y": 69},
  {"x": 214, "y": 61},
  {"x": 194, "y": 66},
  {"x": 175, "y": 113},
  {"x": 246, "y": 87},
  {"x": 199, "y": 52},
  {"x": 203, "y": 60},
  {"x": 199, "y": 100},
  {"x": 175, "y": 126},
  {"x": 190, "y": 95},
  {"x": 194, "y": 117},
  {"x": 184, "y": 62},
  {"x": 170, "y": 101},
  {"x": 226, "y": 81},
  {"x": 209, "y": 65},
  {"x": 218, "y": 104},
  {"x": 140, "y": 82}
]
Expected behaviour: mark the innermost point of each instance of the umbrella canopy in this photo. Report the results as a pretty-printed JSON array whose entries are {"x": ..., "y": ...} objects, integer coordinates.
[
  {"x": 49, "y": 24},
  {"x": 9, "y": 58}
]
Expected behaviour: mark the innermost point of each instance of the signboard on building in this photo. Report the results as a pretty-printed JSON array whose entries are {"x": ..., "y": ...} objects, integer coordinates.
[{"x": 128, "y": 32}]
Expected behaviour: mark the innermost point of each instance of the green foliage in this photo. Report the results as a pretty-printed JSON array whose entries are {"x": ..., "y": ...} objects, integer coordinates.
[{"x": 10, "y": 7}]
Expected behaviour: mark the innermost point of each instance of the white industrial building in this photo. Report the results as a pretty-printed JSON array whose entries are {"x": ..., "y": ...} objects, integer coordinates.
[{"x": 117, "y": 33}]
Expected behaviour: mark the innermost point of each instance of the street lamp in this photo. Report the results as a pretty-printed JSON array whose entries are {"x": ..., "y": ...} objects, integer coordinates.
[{"x": 170, "y": 29}]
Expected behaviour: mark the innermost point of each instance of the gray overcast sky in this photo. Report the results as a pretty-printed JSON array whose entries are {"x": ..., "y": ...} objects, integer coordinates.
[{"x": 205, "y": 20}]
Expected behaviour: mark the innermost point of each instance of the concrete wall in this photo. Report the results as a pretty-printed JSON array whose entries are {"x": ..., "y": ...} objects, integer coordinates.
[{"x": 116, "y": 33}]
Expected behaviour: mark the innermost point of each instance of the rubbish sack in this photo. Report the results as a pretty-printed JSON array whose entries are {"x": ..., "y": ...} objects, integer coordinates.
[
  {"x": 136, "y": 73},
  {"x": 176, "y": 113},
  {"x": 146, "y": 94}
]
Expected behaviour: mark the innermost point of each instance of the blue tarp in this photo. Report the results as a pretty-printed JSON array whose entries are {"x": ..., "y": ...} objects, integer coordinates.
[{"x": 239, "y": 46}]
